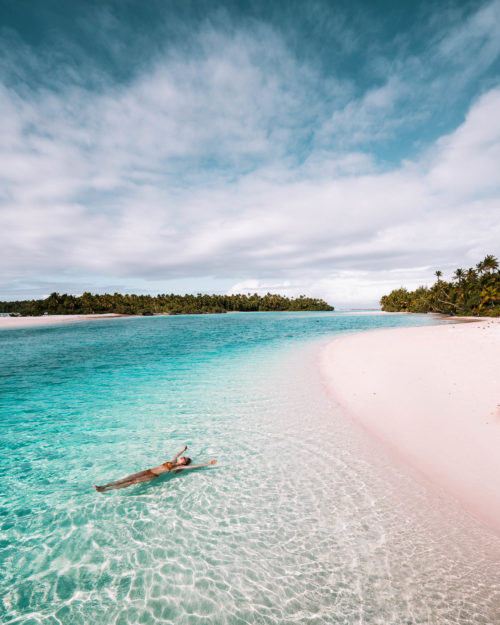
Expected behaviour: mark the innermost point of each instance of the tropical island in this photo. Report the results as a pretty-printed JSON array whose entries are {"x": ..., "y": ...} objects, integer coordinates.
[
  {"x": 472, "y": 292},
  {"x": 91, "y": 304}
]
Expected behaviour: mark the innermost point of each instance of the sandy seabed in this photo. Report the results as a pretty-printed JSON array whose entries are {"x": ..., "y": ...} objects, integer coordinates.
[{"x": 432, "y": 396}]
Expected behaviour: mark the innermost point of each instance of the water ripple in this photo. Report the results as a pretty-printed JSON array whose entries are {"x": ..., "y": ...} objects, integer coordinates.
[{"x": 303, "y": 520}]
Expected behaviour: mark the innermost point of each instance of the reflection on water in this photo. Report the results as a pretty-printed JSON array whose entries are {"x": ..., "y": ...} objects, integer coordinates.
[{"x": 304, "y": 519}]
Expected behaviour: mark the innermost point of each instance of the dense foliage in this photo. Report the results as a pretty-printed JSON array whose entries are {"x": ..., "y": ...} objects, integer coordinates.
[
  {"x": 87, "y": 303},
  {"x": 473, "y": 292}
]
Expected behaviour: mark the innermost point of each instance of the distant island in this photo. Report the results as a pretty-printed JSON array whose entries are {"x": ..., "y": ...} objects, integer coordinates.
[
  {"x": 117, "y": 303},
  {"x": 474, "y": 292}
]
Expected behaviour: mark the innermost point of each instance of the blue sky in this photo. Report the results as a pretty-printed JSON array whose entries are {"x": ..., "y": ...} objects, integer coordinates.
[{"x": 338, "y": 149}]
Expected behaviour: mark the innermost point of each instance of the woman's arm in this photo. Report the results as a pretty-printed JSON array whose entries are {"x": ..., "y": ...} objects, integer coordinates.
[
  {"x": 174, "y": 459},
  {"x": 196, "y": 466}
]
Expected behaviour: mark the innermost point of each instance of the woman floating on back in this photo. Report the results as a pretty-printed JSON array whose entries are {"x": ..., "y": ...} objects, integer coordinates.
[{"x": 175, "y": 465}]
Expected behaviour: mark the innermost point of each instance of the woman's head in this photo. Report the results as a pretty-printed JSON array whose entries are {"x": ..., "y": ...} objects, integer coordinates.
[{"x": 184, "y": 460}]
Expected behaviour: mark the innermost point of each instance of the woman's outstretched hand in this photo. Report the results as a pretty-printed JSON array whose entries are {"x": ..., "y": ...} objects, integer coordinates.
[{"x": 213, "y": 462}]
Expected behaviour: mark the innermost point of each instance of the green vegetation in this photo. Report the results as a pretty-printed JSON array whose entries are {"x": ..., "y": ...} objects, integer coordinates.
[
  {"x": 474, "y": 292},
  {"x": 87, "y": 303}
]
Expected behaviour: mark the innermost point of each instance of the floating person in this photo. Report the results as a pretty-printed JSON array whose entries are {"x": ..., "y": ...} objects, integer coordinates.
[{"x": 177, "y": 464}]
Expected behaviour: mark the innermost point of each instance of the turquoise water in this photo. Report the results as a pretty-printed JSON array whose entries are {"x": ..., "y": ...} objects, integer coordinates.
[{"x": 303, "y": 520}]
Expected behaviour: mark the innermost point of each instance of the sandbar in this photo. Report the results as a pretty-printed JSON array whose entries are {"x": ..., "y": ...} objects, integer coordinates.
[
  {"x": 25, "y": 322},
  {"x": 432, "y": 395}
]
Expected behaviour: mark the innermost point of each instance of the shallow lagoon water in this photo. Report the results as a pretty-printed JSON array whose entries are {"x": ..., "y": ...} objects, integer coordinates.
[{"x": 304, "y": 519}]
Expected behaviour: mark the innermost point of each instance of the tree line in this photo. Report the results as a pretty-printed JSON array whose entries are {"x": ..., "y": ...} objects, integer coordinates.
[
  {"x": 88, "y": 303},
  {"x": 474, "y": 292}
]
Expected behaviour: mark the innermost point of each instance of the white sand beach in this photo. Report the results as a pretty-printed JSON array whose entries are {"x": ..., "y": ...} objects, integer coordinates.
[
  {"x": 25, "y": 322},
  {"x": 432, "y": 395}
]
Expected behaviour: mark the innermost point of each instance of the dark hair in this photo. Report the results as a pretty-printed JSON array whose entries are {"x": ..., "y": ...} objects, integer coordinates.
[{"x": 188, "y": 461}]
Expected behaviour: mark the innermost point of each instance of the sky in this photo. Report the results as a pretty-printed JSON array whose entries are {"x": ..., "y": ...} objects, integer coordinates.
[{"x": 332, "y": 148}]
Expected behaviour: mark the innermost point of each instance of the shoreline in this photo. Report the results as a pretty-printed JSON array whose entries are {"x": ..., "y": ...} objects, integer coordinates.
[
  {"x": 42, "y": 320},
  {"x": 431, "y": 395},
  {"x": 28, "y": 322}
]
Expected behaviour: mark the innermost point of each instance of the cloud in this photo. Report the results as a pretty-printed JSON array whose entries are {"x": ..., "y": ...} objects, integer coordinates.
[
  {"x": 474, "y": 42},
  {"x": 226, "y": 159},
  {"x": 344, "y": 289}
]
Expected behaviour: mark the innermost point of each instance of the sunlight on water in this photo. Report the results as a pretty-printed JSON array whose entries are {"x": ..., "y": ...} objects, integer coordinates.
[{"x": 303, "y": 520}]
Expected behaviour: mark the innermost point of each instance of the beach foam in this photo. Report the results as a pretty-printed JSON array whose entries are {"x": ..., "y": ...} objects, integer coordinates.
[{"x": 432, "y": 395}]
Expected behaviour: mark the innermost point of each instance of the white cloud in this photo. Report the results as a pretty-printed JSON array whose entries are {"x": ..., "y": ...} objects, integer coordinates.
[
  {"x": 344, "y": 289},
  {"x": 478, "y": 39},
  {"x": 369, "y": 118},
  {"x": 192, "y": 170}
]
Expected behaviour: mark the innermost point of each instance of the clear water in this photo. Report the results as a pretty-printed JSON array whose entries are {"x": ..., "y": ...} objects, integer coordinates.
[{"x": 303, "y": 520}]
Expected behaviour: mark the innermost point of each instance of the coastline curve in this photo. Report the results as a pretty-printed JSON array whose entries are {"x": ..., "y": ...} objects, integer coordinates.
[{"x": 431, "y": 395}]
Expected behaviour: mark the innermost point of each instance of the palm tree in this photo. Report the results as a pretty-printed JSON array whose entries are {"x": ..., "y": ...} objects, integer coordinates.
[
  {"x": 459, "y": 274},
  {"x": 438, "y": 275},
  {"x": 488, "y": 294},
  {"x": 490, "y": 263},
  {"x": 471, "y": 274}
]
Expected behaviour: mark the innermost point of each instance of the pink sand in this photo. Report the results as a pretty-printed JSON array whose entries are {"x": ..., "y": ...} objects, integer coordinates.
[
  {"x": 431, "y": 394},
  {"x": 21, "y": 322}
]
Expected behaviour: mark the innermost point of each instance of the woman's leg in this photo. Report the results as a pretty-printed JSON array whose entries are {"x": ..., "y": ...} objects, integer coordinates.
[
  {"x": 137, "y": 480},
  {"x": 127, "y": 481}
]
